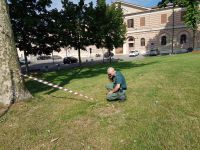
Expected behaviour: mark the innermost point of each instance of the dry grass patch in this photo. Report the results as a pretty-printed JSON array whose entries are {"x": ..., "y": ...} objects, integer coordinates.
[{"x": 108, "y": 111}]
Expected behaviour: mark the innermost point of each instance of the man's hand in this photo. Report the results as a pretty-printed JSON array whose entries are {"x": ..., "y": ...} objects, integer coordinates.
[
  {"x": 110, "y": 92},
  {"x": 117, "y": 87}
]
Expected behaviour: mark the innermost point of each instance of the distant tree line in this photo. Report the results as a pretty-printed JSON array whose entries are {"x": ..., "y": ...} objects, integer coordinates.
[{"x": 38, "y": 29}]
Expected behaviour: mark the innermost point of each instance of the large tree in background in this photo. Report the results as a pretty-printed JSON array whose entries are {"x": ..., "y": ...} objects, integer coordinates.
[
  {"x": 100, "y": 24},
  {"x": 110, "y": 28},
  {"x": 77, "y": 24},
  {"x": 35, "y": 28},
  {"x": 47, "y": 35},
  {"x": 12, "y": 85},
  {"x": 192, "y": 16}
]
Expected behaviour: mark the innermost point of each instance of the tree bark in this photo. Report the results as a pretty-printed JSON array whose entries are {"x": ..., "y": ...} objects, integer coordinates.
[
  {"x": 109, "y": 52},
  {"x": 12, "y": 84},
  {"x": 79, "y": 56},
  {"x": 26, "y": 63}
]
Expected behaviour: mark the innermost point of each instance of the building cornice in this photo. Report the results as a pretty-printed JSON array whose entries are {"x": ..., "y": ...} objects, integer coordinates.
[
  {"x": 157, "y": 29},
  {"x": 151, "y": 11},
  {"x": 133, "y": 5}
]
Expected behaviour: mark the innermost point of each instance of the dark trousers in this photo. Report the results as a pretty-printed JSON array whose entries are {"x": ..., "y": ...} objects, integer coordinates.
[{"x": 121, "y": 94}]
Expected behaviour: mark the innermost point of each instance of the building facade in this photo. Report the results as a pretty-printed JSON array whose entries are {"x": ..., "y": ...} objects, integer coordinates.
[{"x": 152, "y": 29}]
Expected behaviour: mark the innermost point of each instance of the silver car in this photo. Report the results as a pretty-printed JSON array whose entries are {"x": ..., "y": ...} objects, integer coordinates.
[{"x": 133, "y": 53}]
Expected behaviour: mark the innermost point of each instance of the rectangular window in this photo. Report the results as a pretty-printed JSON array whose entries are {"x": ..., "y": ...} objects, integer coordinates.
[
  {"x": 163, "y": 18},
  {"x": 130, "y": 23},
  {"x": 131, "y": 45},
  {"x": 183, "y": 13},
  {"x": 142, "y": 21},
  {"x": 142, "y": 41}
]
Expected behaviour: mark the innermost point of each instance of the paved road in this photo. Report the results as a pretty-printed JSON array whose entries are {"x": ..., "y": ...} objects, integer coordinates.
[
  {"x": 127, "y": 58},
  {"x": 49, "y": 65}
]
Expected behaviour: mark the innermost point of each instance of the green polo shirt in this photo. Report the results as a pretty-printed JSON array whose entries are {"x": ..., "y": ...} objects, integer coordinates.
[{"x": 119, "y": 79}]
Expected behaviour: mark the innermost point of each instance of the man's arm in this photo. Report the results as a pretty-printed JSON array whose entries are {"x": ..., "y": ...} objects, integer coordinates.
[{"x": 117, "y": 87}]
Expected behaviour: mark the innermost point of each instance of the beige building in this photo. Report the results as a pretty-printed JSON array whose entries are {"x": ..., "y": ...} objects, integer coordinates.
[{"x": 152, "y": 28}]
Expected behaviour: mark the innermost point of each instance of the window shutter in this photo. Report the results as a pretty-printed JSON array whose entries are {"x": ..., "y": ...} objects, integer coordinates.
[
  {"x": 142, "y": 21},
  {"x": 130, "y": 23},
  {"x": 163, "y": 18}
]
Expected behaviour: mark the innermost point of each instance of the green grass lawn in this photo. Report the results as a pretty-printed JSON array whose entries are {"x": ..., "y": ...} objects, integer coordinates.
[{"x": 162, "y": 110}]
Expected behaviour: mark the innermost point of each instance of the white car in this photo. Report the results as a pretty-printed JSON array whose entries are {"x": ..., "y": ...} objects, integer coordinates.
[{"x": 133, "y": 53}]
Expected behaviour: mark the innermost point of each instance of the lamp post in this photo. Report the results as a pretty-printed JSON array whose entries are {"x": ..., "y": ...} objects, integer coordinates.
[{"x": 173, "y": 22}]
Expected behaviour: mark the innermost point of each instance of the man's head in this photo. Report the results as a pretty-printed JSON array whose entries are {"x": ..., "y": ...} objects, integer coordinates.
[{"x": 111, "y": 72}]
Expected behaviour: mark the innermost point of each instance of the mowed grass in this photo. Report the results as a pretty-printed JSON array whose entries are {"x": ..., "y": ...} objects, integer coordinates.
[{"x": 162, "y": 110}]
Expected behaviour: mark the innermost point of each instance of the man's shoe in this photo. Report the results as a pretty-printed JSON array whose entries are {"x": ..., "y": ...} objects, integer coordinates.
[
  {"x": 122, "y": 98},
  {"x": 121, "y": 101}
]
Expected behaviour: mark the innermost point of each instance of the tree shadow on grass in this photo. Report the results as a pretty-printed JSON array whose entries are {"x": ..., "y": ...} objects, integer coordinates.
[{"x": 63, "y": 77}]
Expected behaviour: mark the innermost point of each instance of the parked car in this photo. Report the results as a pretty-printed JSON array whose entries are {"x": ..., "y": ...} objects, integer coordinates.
[
  {"x": 44, "y": 57},
  {"x": 22, "y": 62},
  {"x": 107, "y": 55},
  {"x": 133, "y": 53},
  {"x": 70, "y": 60},
  {"x": 154, "y": 52},
  {"x": 190, "y": 49}
]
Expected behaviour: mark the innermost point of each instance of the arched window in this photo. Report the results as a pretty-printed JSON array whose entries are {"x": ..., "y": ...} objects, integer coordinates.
[
  {"x": 163, "y": 40},
  {"x": 183, "y": 39},
  {"x": 142, "y": 42}
]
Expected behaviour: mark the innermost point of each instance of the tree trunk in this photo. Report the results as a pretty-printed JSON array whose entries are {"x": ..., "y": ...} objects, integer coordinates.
[
  {"x": 110, "y": 60},
  {"x": 52, "y": 57},
  {"x": 79, "y": 56},
  {"x": 103, "y": 54},
  {"x": 12, "y": 85},
  {"x": 26, "y": 63}
]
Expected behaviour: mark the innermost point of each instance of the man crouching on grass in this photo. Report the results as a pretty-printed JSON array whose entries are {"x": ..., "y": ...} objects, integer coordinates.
[{"x": 116, "y": 89}]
